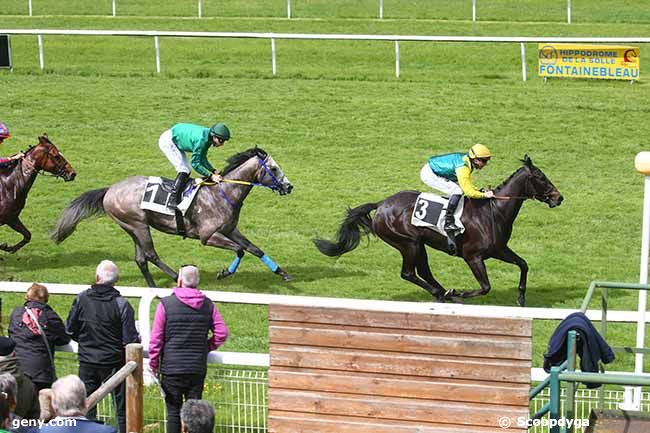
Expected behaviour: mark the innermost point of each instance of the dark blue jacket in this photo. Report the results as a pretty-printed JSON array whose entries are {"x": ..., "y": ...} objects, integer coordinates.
[
  {"x": 83, "y": 425},
  {"x": 590, "y": 345}
]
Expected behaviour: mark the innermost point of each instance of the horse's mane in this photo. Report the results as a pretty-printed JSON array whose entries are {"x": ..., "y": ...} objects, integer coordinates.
[
  {"x": 526, "y": 161},
  {"x": 238, "y": 159}
]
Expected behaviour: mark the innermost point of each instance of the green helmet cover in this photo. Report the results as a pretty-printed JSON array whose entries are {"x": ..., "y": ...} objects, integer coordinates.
[{"x": 220, "y": 130}]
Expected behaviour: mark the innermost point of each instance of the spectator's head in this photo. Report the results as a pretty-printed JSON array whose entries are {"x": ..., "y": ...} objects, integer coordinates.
[
  {"x": 9, "y": 386},
  {"x": 197, "y": 416},
  {"x": 37, "y": 292},
  {"x": 69, "y": 396},
  {"x": 188, "y": 276},
  {"x": 107, "y": 273},
  {"x": 7, "y": 345},
  {"x": 4, "y": 410}
]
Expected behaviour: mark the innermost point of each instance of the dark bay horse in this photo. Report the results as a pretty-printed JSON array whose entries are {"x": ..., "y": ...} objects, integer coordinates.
[
  {"x": 488, "y": 226},
  {"x": 212, "y": 218},
  {"x": 17, "y": 179}
]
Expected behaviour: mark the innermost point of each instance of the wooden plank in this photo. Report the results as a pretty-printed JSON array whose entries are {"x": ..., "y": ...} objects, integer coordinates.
[
  {"x": 295, "y": 422},
  {"x": 426, "y": 322},
  {"x": 398, "y": 386},
  {"x": 515, "y": 371},
  {"x": 395, "y": 340},
  {"x": 443, "y": 412}
]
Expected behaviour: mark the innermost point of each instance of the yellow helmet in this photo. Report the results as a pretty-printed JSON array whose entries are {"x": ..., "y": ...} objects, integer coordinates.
[{"x": 479, "y": 151}]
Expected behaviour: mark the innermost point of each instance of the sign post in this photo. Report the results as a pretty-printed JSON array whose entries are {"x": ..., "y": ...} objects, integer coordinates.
[{"x": 642, "y": 165}]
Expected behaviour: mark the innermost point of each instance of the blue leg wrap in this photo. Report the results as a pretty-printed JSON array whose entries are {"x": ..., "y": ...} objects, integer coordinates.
[
  {"x": 269, "y": 262},
  {"x": 234, "y": 265}
]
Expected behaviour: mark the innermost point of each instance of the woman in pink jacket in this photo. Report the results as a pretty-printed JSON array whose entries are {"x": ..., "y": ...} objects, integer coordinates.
[{"x": 179, "y": 345}]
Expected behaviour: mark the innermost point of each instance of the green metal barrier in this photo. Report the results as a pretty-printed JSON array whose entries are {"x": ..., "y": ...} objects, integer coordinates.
[{"x": 566, "y": 371}]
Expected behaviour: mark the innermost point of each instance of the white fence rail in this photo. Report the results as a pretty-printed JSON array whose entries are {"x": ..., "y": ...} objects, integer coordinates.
[
  {"x": 302, "y": 36},
  {"x": 199, "y": 9},
  {"x": 148, "y": 295}
]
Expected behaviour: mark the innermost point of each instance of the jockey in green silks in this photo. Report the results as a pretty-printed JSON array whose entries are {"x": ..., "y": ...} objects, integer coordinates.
[
  {"x": 187, "y": 137},
  {"x": 451, "y": 174}
]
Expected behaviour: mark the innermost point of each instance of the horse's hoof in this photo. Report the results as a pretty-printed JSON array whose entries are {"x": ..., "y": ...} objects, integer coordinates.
[
  {"x": 284, "y": 275},
  {"x": 522, "y": 301},
  {"x": 223, "y": 274}
]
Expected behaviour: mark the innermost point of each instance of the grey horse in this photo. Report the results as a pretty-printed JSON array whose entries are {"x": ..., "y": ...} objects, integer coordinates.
[{"x": 212, "y": 218}]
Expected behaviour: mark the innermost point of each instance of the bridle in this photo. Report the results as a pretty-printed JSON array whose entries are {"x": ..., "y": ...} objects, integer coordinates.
[
  {"x": 266, "y": 171},
  {"x": 528, "y": 195},
  {"x": 56, "y": 159}
]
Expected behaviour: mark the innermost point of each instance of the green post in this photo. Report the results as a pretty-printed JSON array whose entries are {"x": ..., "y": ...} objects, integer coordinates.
[
  {"x": 571, "y": 386},
  {"x": 554, "y": 412}
]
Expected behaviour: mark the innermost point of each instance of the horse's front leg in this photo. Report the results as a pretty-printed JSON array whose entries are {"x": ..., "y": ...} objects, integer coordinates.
[
  {"x": 241, "y": 240},
  {"x": 219, "y": 240},
  {"x": 18, "y": 226},
  {"x": 477, "y": 265},
  {"x": 509, "y": 256}
]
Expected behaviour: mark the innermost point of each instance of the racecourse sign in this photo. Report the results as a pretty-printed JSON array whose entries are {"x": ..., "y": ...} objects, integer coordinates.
[{"x": 609, "y": 62}]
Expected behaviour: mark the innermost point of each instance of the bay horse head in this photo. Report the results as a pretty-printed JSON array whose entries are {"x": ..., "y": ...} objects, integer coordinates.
[
  {"x": 267, "y": 173},
  {"x": 46, "y": 157},
  {"x": 538, "y": 186}
]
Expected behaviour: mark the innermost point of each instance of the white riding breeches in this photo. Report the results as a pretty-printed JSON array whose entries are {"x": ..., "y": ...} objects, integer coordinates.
[
  {"x": 173, "y": 153},
  {"x": 439, "y": 183}
]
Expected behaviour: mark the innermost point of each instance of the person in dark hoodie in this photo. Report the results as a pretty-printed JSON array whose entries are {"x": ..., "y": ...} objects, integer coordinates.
[
  {"x": 102, "y": 322},
  {"x": 36, "y": 329},
  {"x": 179, "y": 344},
  {"x": 26, "y": 400}
]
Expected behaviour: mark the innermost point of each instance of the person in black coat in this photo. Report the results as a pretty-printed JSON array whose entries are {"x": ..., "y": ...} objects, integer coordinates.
[
  {"x": 34, "y": 355},
  {"x": 102, "y": 321}
]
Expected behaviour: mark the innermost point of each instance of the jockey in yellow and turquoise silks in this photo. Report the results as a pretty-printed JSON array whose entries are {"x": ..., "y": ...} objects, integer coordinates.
[
  {"x": 187, "y": 137},
  {"x": 451, "y": 174}
]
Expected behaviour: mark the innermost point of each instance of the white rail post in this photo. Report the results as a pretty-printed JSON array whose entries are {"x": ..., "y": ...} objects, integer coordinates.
[
  {"x": 381, "y": 9},
  {"x": 397, "y": 59},
  {"x": 30, "y": 7},
  {"x": 523, "y": 61},
  {"x": 473, "y": 10},
  {"x": 289, "y": 9},
  {"x": 642, "y": 165},
  {"x": 157, "y": 44},
  {"x": 273, "y": 55},
  {"x": 41, "y": 59},
  {"x": 114, "y": 8},
  {"x": 568, "y": 11},
  {"x": 200, "y": 9}
]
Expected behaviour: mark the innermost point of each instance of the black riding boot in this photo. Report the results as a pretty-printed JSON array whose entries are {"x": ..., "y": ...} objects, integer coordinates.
[
  {"x": 450, "y": 223},
  {"x": 177, "y": 190}
]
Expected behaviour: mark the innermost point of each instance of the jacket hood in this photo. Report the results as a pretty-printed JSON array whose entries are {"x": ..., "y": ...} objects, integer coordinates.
[
  {"x": 189, "y": 296},
  {"x": 102, "y": 292}
]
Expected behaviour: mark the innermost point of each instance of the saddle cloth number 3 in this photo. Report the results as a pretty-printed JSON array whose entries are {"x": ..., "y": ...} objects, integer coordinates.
[{"x": 428, "y": 211}]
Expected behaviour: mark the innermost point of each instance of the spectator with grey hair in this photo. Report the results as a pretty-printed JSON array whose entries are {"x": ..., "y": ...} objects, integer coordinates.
[
  {"x": 179, "y": 344},
  {"x": 26, "y": 397},
  {"x": 197, "y": 416},
  {"x": 102, "y": 321},
  {"x": 9, "y": 387},
  {"x": 4, "y": 412},
  {"x": 69, "y": 404}
]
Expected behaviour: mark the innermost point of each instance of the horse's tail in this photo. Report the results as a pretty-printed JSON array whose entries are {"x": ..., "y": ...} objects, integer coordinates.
[
  {"x": 88, "y": 204},
  {"x": 349, "y": 234}
]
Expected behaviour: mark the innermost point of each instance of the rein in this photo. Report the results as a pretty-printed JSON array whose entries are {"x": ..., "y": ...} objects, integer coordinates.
[{"x": 267, "y": 171}]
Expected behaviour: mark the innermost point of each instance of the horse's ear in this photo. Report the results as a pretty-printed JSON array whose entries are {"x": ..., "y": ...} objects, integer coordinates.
[{"x": 527, "y": 161}]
